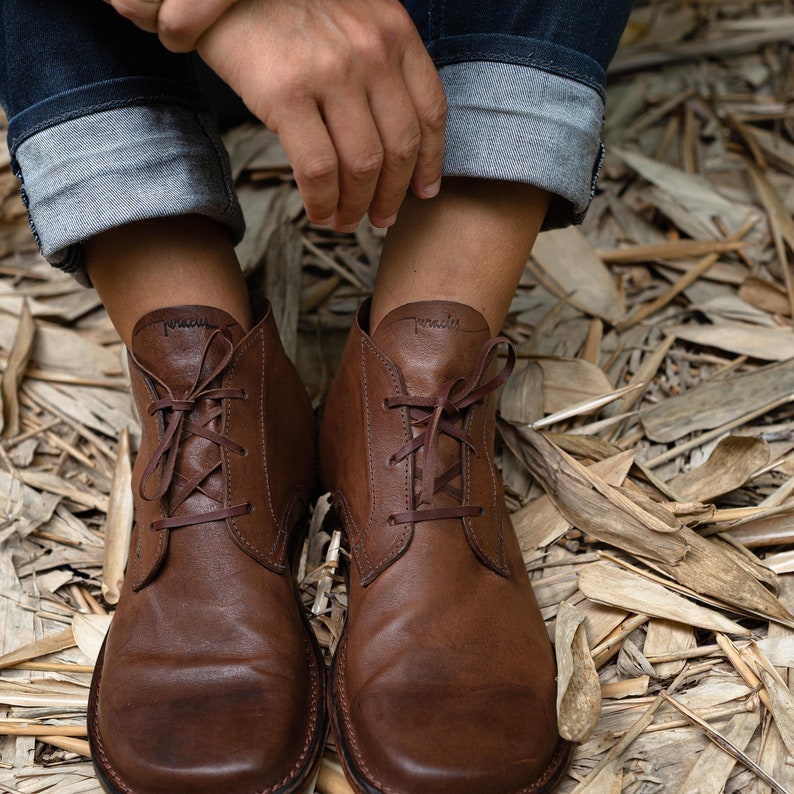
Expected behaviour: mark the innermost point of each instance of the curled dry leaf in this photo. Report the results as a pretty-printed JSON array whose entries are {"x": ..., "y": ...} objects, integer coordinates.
[
  {"x": 12, "y": 377},
  {"x": 729, "y": 466},
  {"x": 578, "y": 687},
  {"x": 119, "y": 522}
]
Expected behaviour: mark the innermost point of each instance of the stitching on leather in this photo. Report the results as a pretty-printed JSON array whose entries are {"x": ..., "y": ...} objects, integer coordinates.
[
  {"x": 399, "y": 540},
  {"x": 358, "y": 546},
  {"x": 365, "y": 384},
  {"x": 238, "y": 533},
  {"x": 352, "y": 741},
  {"x": 142, "y": 573},
  {"x": 98, "y": 739},
  {"x": 500, "y": 538},
  {"x": 304, "y": 752},
  {"x": 538, "y": 786}
]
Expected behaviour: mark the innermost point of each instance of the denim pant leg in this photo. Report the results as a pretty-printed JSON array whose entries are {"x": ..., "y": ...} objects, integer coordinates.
[
  {"x": 105, "y": 126},
  {"x": 525, "y": 82}
]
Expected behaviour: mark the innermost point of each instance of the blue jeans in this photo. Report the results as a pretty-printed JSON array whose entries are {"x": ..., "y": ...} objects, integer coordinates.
[{"x": 107, "y": 127}]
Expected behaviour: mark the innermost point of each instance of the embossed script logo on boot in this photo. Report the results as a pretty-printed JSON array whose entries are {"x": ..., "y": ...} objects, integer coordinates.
[
  {"x": 173, "y": 325},
  {"x": 449, "y": 324},
  {"x": 198, "y": 322}
]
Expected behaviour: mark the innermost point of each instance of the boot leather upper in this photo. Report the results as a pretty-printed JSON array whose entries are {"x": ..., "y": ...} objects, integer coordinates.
[
  {"x": 209, "y": 680},
  {"x": 444, "y": 679}
]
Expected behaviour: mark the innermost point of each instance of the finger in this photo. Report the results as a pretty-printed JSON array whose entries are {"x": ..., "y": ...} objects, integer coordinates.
[
  {"x": 313, "y": 157},
  {"x": 427, "y": 94},
  {"x": 401, "y": 135},
  {"x": 181, "y": 23},
  {"x": 360, "y": 151},
  {"x": 141, "y": 12}
]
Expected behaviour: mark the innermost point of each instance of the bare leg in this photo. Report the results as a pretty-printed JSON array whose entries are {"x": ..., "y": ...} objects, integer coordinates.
[
  {"x": 152, "y": 264},
  {"x": 469, "y": 244}
]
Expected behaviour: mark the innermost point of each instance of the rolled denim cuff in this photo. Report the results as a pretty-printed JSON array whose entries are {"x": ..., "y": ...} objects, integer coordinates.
[
  {"x": 98, "y": 171},
  {"x": 523, "y": 124}
]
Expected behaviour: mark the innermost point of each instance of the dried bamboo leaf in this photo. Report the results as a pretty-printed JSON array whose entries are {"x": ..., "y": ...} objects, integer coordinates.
[
  {"x": 631, "y": 687},
  {"x": 697, "y": 199},
  {"x": 713, "y": 766},
  {"x": 729, "y": 466},
  {"x": 540, "y": 523},
  {"x": 331, "y": 779},
  {"x": 779, "y": 650},
  {"x": 724, "y": 744},
  {"x": 717, "y": 402},
  {"x": 569, "y": 259},
  {"x": 616, "y": 587},
  {"x": 765, "y": 344},
  {"x": 63, "y": 350},
  {"x": 50, "y": 644},
  {"x": 764, "y": 295},
  {"x": 89, "y": 632},
  {"x": 283, "y": 283},
  {"x": 578, "y": 687},
  {"x": 119, "y": 522},
  {"x": 708, "y": 571},
  {"x": 781, "y": 699},
  {"x": 521, "y": 399},
  {"x": 567, "y": 381},
  {"x": 663, "y": 637},
  {"x": 591, "y": 504},
  {"x": 608, "y": 781},
  {"x": 600, "y": 620},
  {"x": 17, "y": 362}
]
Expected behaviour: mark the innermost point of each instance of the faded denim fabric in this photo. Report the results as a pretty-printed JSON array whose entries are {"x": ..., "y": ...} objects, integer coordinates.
[{"x": 106, "y": 126}]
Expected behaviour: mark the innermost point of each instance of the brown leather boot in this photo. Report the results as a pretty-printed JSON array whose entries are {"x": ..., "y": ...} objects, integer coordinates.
[
  {"x": 444, "y": 678},
  {"x": 210, "y": 680}
]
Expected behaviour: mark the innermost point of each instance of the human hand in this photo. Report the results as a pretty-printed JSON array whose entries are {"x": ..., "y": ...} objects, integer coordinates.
[
  {"x": 178, "y": 23},
  {"x": 351, "y": 91}
]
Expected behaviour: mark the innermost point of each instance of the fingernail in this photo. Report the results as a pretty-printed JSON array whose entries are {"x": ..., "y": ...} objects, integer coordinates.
[
  {"x": 431, "y": 190},
  {"x": 348, "y": 227},
  {"x": 325, "y": 222},
  {"x": 386, "y": 222}
]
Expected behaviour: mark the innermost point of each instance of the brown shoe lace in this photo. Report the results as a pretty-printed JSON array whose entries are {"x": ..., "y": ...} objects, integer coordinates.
[
  {"x": 175, "y": 410},
  {"x": 444, "y": 413}
]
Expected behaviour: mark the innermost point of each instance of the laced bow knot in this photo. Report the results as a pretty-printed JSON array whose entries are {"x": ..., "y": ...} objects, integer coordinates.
[
  {"x": 443, "y": 414},
  {"x": 176, "y": 409}
]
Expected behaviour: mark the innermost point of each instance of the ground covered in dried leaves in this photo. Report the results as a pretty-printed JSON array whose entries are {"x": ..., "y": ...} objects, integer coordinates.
[{"x": 646, "y": 439}]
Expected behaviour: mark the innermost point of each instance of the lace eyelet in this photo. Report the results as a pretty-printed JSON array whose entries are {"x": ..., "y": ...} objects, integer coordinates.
[
  {"x": 385, "y": 404},
  {"x": 251, "y": 508},
  {"x": 391, "y": 462},
  {"x": 391, "y": 521},
  {"x": 243, "y": 394},
  {"x": 243, "y": 453}
]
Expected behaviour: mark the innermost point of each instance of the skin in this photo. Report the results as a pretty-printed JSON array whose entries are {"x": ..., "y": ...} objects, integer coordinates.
[
  {"x": 358, "y": 105},
  {"x": 346, "y": 84}
]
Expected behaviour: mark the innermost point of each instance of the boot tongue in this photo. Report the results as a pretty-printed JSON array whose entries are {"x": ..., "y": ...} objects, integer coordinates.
[
  {"x": 431, "y": 342},
  {"x": 169, "y": 342}
]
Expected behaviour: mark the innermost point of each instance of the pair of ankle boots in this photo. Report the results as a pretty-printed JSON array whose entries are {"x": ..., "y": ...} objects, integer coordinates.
[{"x": 211, "y": 681}]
